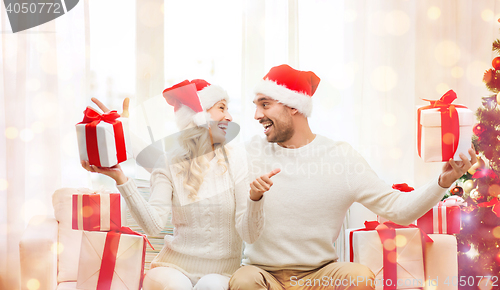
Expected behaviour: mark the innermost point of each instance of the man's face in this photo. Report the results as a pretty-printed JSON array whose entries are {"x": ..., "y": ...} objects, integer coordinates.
[{"x": 275, "y": 117}]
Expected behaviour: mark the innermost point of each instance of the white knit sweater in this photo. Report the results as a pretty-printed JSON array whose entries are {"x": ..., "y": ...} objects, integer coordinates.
[
  {"x": 306, "y": 205},
  {"x": 206, "y": 232}
]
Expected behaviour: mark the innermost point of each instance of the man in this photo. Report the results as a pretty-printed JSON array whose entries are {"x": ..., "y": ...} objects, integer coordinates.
[{"x": 319, "y": 180}]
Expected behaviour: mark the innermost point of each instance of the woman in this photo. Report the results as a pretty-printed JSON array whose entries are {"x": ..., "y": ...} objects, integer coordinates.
[{"x": 204, "y": 184}]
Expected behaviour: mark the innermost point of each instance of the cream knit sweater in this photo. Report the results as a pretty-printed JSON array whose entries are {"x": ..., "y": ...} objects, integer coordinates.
[
  {"x": 206, "y": 232},
  {"x": 306, "y": 205}
]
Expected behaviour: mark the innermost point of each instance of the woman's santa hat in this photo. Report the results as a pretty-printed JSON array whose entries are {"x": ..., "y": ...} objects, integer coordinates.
[
  {"x": 192, "y": 99},
  {"x": 290, "y": 87}
]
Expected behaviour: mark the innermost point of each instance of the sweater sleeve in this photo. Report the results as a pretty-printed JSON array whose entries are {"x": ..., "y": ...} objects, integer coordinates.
[
  {"x": 151, "y": 215},
  {"x": 378, "y": 196},
  {"x": 249, "y": 214}
]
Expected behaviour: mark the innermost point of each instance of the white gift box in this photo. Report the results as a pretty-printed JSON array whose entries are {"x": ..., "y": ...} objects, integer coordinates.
[
  {"x": 105, "y": 142},
  {"x": 128, "y": 268},
  {"x": 441, "y": 263},
  {"x": 431, "y": 140},
  {"x": 368, "y": 250}
]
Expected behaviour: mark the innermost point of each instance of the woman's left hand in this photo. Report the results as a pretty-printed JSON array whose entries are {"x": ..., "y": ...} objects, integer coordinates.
[{"x": 125, "y": 112}]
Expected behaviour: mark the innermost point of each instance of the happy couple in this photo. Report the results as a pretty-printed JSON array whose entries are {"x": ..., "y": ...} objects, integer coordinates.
[{"x": 225, "y": 198}]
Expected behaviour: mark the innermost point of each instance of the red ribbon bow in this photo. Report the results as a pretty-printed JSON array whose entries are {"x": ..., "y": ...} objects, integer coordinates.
[
  {"x": 91, "y": 119},
  {"x": 450, "y": 128},
  {"x": 386, "y": 231},
  {"x": 495, "y": 203}
]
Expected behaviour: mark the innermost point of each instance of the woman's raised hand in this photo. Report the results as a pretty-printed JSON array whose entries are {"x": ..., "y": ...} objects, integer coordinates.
[{"x": 125, "y": 112}]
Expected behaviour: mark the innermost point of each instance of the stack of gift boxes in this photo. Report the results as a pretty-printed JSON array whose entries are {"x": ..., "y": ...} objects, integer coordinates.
[
  {"x": 111, "y": 255},
  {"x": 422, "y": 255}
]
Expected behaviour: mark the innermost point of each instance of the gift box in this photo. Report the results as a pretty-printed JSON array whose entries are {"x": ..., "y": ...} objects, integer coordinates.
[
  {"x": 444, "y": 218},
  {"x": 444, "y": 130},
  {"x": 96, "y": 212},
  {"x": 111, "y": 261},
  {"x": 441, "y": 263},
  {"x": 395, "y": 257},
  {"x": 103, "y": 138}
]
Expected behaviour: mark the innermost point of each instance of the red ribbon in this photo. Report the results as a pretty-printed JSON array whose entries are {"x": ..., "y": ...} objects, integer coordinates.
[
  {"x": 109, "y": 257},
  {"x": 450, "y": 127},
  {"x": 386, "y": 231},
  {"x": 91, "y": 212},
  {"x": 91, "y": 119},
  {"x": 426, "y": 222},
  {"x": 495, "y": 203}
]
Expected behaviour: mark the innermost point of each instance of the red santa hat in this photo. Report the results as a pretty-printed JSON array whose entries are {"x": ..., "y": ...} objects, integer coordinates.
[
  {"x": 192, "y": 99},
  {"x": 290, "y": 87}
]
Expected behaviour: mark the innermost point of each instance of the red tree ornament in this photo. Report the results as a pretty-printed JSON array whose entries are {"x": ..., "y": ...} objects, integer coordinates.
[
  {"x": 496, "y": 63},
  {"x": 457, "y": 190},
  {"x": 478, "y": 129}
]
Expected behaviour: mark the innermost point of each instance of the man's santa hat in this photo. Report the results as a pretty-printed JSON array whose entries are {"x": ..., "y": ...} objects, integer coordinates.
[
  {"x": 192, "y": 99},
  {"x": 290, "y": 87}
]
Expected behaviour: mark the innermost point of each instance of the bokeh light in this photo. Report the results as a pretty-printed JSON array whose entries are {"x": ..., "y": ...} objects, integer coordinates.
[
  {"x": 384, "y": 78},
  {"x": 37, "y": 127},
  {"x": 33, "y": 84},
  {"x": 487, "y": 15},
  {"x": 57, "y": 248},
  {"x": 395, "y": 153},
  {"x": 11, "y": 132},
  {"x": 401, "y": 241},
  {"x": 350, "y": 15},
  {"x": 33, "y": 284},
  {"x": 26, "y": 135},
  {"x": 397, "y": 22},
  {"x": 433, "y": 12},
  {"x": 447, "y": 53},
  {"x": 389, "y": 244},
  {"x": 494, "y": 190},
  {"x": 442, "y": 88},
  {"x": 389, "y": 120},
  {"x": 496, "y": 232},
  {"x": 4, "y": 184},
  {"x": 457, "y": 72},
  {"x": 475, "y": 71}
]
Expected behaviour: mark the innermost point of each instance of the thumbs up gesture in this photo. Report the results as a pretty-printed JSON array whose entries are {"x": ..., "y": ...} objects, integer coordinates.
[{"x": 262, "y": 184}]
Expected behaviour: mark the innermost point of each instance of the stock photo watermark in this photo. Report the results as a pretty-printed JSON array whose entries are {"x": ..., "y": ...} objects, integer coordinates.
[{"x": 26, "y": 14}]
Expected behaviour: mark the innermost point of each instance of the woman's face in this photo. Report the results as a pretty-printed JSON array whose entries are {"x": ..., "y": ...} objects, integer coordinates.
[{"x": 221, "y": 117}]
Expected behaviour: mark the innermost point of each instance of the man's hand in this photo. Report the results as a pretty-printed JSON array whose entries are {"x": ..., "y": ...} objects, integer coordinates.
[
  {"x": 262, "y": 184},
  {"x": 124, "y": 114},
  {"x": 454, "y": 170},
  {"x": 114, "y": 172}
]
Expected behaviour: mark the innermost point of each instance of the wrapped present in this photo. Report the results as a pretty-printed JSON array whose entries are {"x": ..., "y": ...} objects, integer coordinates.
[
  {"x": 444, "y": 130},
  {"x": 444, "y": 218},
  {"x": 112, "y": 260},
  {"x": 102, "y": 138},
  {"x": 441, "y": 263},
  {"x": 394, "y": 254},
  {"x": 96, "y": 212}
]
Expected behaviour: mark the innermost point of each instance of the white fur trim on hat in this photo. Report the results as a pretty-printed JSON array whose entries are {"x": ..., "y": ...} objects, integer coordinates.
[
  {"x": 185, "y": 115},
  {"x": 301, "y": 102},
  {"x": 210, "y": 95}
]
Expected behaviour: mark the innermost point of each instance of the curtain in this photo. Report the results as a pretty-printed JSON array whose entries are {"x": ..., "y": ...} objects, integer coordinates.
[
  {"x": 377, "y": 60},
  {"x": 42, "y": 96}
]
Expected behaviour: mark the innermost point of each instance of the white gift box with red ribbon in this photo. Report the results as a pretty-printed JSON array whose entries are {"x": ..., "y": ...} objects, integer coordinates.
[
  {"x": 444, "y": 129},
  {"x": 103, "y": 139},
  {"x": 443, "y": 218},
  {"x": 111, "y": 261}
]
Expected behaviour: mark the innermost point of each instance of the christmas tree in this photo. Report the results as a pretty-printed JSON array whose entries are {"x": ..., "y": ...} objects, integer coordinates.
[{"x": 479, "y": 238}]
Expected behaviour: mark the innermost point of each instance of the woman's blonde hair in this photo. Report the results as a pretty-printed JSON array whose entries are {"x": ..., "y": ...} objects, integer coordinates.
[{"x": 190, "y": 161}]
